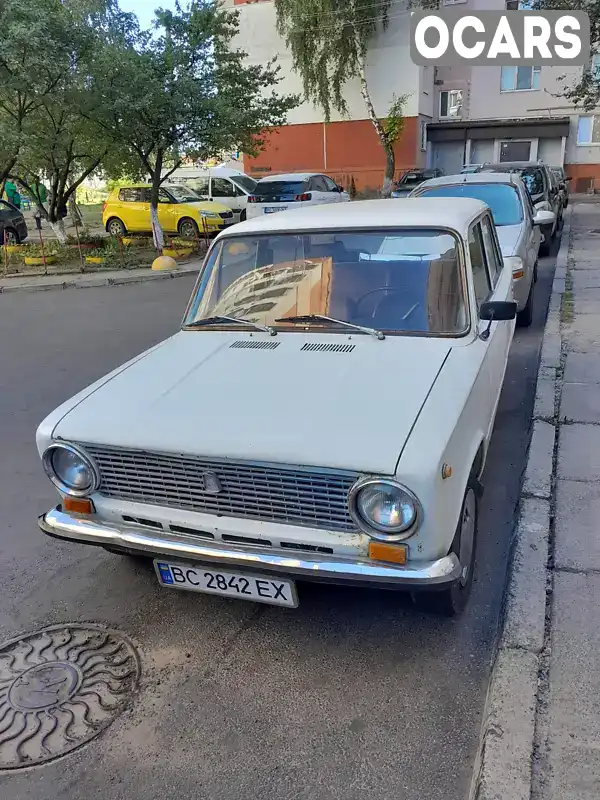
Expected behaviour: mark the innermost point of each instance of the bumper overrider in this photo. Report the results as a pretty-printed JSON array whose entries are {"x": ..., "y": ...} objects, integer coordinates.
[{"x": 331, "y": 569}]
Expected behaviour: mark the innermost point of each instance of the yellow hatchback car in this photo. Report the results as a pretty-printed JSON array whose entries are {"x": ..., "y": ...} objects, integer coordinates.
[{"x": 180, "y": 211}]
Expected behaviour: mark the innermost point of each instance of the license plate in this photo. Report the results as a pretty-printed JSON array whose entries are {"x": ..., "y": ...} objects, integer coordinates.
[
  {"x": 258, "y": 588},
  {"x": 272, "y": 210}
]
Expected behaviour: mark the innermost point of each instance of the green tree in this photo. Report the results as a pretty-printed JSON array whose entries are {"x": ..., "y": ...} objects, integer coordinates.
[
  {"x": 585, "y": 91},
  {"x": 184, "y": 90},
  {"x": 329, "y": 41}
]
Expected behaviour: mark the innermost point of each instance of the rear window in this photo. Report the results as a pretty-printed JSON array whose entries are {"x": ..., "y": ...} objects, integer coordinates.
[
  {"x": 131, "y": 195},
  {"x": 504, "y": 201},
  {"x": 249, "y": 184},
  {"x": 276, "y": 188}
]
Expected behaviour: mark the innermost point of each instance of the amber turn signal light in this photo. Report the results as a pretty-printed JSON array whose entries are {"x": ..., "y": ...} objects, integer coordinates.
[
  {"x": 77, "y": 505},
  {"x": 393, "y": 553}
]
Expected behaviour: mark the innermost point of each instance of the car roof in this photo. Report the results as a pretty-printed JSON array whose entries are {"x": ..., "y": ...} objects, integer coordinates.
[
  {"x": 289, "y": 176},
  {"x": 474, "y": 177},
  {"x": 508, "y": 165},
  {"x": 430, "y": 212},
  {"x": 148, "y": 186}
]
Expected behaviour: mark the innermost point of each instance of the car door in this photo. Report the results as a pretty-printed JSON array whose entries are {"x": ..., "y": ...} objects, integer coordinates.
[
  {"x": 168, "y": 210},
  {"x": 223, "y": 191},
  {"x": 319, "y": 191},
  {"x": 134, "y": 211},
  {"x": 492, "y": 281},
  {"x": 337, "y": 196}
]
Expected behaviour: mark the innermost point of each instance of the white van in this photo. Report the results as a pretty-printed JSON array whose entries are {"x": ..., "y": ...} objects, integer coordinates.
[{"x": 221, "y": 184}]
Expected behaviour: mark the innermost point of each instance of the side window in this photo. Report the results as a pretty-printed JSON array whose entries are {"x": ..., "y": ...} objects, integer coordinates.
[
  {"x": 222, "y": 188},
  {"x": 493, "y": 256},
  {"x": 331, "y": 186},
  {"x": 529, "y": 209},
  {"x": 200, "y": 186},
  {"x": 317, "y": 184},
  {"x": 130, "y": 195},
  {"x": 481, "y": 280},
  {"x": 163, "y": 197}
]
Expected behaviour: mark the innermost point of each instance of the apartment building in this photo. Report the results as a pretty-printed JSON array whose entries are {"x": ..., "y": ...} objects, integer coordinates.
[
  {"x": 454, "y": 116},
  {"x": 346, "y": 148}
]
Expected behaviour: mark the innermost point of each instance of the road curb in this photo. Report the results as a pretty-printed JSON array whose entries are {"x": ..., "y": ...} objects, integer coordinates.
[
  {"x": 503, "y": 768},
  {"x": 100, "y": 280}
]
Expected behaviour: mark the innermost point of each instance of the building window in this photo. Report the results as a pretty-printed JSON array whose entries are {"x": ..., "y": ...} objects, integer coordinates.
[
  {"x": 423, "y": 135},
  {"x": 588, "y": 130},
  {"x": 596, "y": 66},
  {"x": 515, "y": 151},
  {"x": 519, "y": 79},
  {"x": 518, "y": 5},
  {"x": 452, "y": 2},
  {"x": 451, "y": 103}
]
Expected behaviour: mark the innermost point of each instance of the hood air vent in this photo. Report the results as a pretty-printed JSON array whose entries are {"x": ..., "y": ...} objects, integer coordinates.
[
  {"x": 328, "y": 348},
  {"x": 246, "y": 345}
]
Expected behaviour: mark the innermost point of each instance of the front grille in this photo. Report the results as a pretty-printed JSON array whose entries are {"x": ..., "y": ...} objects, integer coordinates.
[
  {"x": 226, "y": 215},
  {"x": 289, "y": 495}
]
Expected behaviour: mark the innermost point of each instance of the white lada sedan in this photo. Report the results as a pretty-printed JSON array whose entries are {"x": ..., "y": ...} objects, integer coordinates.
[{"x": 324, "y": 413}]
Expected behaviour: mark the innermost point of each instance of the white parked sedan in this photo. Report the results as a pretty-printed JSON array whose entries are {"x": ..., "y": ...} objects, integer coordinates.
[
  {"x": 294, "y": 190},
  {"x": 517, "y": 225},
  {"x": 323, "y": 414}
]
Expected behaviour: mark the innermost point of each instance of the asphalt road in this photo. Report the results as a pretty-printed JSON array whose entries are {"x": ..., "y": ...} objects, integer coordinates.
[{"x": 352, "y": 695}]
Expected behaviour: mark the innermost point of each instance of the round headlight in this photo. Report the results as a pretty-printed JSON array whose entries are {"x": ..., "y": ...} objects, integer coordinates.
[
  {"x": 70, "y": 469},
  {"x": 384, "y": 509}
]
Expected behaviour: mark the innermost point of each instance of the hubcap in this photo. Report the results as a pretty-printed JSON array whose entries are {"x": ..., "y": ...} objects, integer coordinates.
[
  {"x": 187, "y": 230},
  {"x": 10, "y": 238},
  {"x": 467, "y": 535},
  {"x": 114, "y": 228}
]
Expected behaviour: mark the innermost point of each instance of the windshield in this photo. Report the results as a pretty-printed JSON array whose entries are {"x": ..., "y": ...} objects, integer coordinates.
[
  {"x": 183, "y": 194},
  {"x": 411, "y": 179},
  {"x": 504, "y": 201},
  {"x": 244, "y": 182},
  {"x": 276, "y": 188},
  {"x": 398, "y": 280}
]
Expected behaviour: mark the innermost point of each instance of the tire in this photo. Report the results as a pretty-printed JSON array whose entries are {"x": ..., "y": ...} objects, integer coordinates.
[
  {"x": 243, "y": 216},
  {"x": 535, "y": 272},
  {"x": 115, "y": 227},
  {"x": 525, "y": 317},
  {"x": 188, "y": 229},
  {"x": 10, "y": 236},
  {"x": 545, "y": 246},
  {"x": 451, "y": 601}
]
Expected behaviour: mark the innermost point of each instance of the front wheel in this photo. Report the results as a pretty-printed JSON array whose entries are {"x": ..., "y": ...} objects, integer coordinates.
[
  {"x": 11, "y": 237},
  {"x": 525, "y": 317},
  {"x": 188, "y": 229},
  {"x": 451, "y": 601},
  {"x": 545, "y": 245}
]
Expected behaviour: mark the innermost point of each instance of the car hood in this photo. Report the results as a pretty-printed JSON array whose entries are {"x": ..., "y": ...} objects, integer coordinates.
[
  {"x": 220, "y": 394},
  {"x": 508, "y": 236},
  {"x": 208, "y": 205}
]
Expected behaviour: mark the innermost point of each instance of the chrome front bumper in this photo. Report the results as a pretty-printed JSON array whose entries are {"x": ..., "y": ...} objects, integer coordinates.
[{"x": 156, "y": 544}]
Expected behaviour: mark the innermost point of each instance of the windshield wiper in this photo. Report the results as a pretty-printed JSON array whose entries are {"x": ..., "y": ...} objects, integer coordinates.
[
  {"x": 322, "y": 318},
  {"x": 218, "y": 320}
]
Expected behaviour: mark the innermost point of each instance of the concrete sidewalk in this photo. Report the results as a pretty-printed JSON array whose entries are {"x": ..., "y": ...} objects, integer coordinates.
[
  {"x": 541, "y": 732},
  {"x": 77, "y": 280}
]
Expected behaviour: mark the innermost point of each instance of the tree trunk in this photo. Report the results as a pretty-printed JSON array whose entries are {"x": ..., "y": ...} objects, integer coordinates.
[
  {"x": 59, "y": 230},
  {"x": 157, "y": 231},
  {"x": 390, "y": 159}
]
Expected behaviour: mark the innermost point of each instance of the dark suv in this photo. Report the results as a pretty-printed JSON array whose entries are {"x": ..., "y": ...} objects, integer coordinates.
[
  {"x": 413, "y": 178},
  {"x": 543, "y": 189},
  {"x": 13, "y": 229}
]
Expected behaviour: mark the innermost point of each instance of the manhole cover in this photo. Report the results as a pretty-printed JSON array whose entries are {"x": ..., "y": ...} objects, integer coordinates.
[{"x": 59, "y": 688}]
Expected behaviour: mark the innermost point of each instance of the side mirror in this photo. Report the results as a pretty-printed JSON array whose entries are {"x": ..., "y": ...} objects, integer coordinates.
[
  {"x": 498, "y": 310},
  {"x": 568, "y": 178},
  {"x": 544, "y": 217}
]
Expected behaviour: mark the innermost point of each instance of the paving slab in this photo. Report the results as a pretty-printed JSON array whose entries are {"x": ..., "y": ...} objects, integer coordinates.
[
  {"x": 580, "y": 402},
  {"x": 586, "y": 279},
  {"x": 579, "y": 452},
  {"x": 583, "y": 334},
  {"x": 585, "y": 263},
  {"x": 582, "y": 368},
  {"x": 551, "y": 349},
  {"x": 544, "y": 399},
  {"x": 577, "y": 543},
  {"x": 574, "y": 688}
]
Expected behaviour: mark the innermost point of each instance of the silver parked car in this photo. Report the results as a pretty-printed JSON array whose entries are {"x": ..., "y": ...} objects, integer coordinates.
[{"x": 517, "y": 224}]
